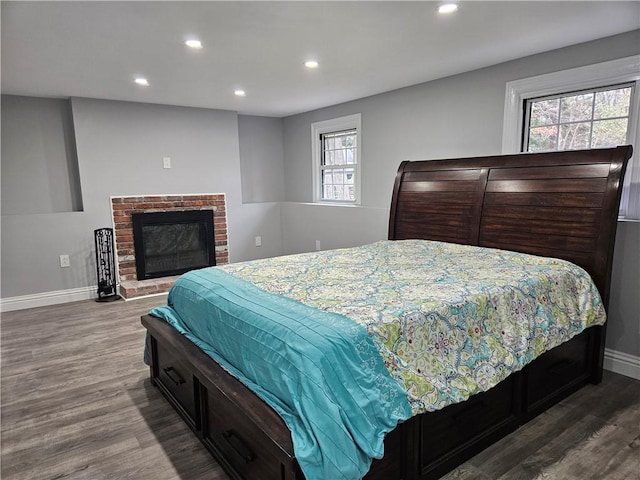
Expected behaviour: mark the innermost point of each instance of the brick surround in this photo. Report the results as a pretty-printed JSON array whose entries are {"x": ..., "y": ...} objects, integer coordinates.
[{"x": 123, "y": 207}]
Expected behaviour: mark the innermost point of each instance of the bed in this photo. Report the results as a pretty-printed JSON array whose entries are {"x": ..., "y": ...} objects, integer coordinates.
[{"x": 556, "y": 209}]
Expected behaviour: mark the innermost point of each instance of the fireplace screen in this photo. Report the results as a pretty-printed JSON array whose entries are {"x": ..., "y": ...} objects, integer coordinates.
[{"x": 172, "y": 243}]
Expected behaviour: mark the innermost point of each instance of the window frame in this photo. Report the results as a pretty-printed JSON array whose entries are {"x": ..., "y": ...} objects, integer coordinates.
[
  {"x": 349, "y": 122},
  {"x": 623, "y": 70}
]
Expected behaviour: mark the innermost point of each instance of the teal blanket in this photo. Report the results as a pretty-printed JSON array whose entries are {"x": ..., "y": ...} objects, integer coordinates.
[{"x": 320, "y": 371}]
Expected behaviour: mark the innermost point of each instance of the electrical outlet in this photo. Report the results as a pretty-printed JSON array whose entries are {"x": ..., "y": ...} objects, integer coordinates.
[
  {"x": 318, "y": 245},
  {"x": 166, "y": 162},
  {"x": 258, "y": 241},
  {"x": 64, "y": 261}
]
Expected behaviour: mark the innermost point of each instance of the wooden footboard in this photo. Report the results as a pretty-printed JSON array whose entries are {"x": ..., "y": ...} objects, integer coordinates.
[{"x": 251, "y": 442}]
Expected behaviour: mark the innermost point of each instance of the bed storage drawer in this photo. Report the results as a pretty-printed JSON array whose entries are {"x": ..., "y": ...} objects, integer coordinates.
[
  {"x": 174, "y": 376},
  {"x": 248, "y": 440},
  {"x": 459, "y": 431},
  {"x": 559, "y": 371},
  {"x": 249, "y": 451}
]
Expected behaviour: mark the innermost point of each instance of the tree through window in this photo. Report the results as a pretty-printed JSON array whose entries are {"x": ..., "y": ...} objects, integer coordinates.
[{"x": 596, "y": 118}]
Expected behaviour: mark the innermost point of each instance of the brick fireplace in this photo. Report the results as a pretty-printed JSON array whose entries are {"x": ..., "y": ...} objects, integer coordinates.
[{"x": 123, "y": 207}]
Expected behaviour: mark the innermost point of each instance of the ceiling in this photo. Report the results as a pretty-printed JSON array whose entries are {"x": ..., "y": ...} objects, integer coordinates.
[{"x": 96, "y": 49}]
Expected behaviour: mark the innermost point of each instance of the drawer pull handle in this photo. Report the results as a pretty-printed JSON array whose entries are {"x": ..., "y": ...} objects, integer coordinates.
[
  {"x": 559, "y": 367},
  {"x": 173, "y": 376},
  {"x": 238, "y": 446}
]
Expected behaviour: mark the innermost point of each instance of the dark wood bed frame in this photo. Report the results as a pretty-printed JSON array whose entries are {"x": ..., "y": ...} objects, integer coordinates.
[{"x": 562, "y": 205}]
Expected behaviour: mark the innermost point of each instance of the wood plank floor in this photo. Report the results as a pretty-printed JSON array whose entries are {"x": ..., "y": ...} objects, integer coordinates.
[{"x": 77, "y": 403}]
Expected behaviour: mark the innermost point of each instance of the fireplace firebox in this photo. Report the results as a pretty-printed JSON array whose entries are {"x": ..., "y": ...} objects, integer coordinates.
[{"x": 172, "y": 243}]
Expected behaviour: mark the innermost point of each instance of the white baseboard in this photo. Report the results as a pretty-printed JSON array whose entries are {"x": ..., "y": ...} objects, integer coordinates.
[
  {"x": 48, "y": 298},
  {"x": 622, "y": 363}
]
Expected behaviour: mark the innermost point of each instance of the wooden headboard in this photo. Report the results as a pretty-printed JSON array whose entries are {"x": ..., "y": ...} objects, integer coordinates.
[{"x": 560, "y": 204}]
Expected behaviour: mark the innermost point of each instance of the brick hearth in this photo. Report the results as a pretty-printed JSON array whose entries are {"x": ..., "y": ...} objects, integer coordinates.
[{"x": 123, "y": 207}]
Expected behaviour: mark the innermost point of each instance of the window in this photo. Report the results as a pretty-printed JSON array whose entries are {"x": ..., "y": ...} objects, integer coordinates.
[
  {"x": 588, "y": 107},
  {"x": 596, "y": 118},
  {"x": 338, "y": 154},
  {"x": 336, "y": 160}
]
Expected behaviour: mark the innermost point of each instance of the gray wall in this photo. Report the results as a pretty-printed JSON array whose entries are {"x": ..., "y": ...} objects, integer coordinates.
[
  {"x": 39, "y": 163},
  {"x": 452, "y": 117},
  {"x": 120, "y": 146},
  {"x": 261, "y": 159},
  {"x": 623, "y": 332}
]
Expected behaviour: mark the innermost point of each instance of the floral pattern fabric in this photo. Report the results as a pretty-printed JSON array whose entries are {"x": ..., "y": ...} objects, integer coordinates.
[{"x": 448, "y": 320}]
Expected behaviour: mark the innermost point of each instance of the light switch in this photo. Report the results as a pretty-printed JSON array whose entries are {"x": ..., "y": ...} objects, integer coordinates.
[{"x": 64, "y": 261}]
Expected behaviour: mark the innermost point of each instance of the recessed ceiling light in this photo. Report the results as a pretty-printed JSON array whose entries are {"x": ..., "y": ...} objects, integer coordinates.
[
  {"x": 195, "y": 44},
  {"x": 447, "y": 8},
  {"x": 239, "y": 93},
  {"x": 311, "y": 64},
  {"x": 142, "y": 81}
]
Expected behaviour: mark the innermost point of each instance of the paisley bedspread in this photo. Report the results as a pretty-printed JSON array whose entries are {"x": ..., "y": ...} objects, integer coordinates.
[{"x": 447, "y": 320}]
